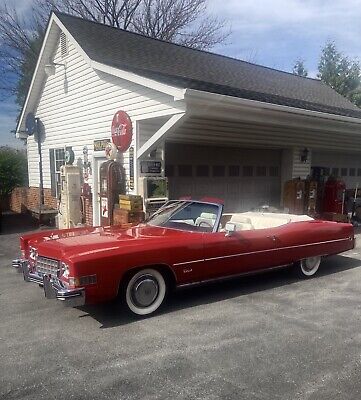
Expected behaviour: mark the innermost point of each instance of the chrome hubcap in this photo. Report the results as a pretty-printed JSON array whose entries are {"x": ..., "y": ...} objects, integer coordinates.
[
  {"x": 145, "y": 291},
  {"x": 310, "y": 263}
]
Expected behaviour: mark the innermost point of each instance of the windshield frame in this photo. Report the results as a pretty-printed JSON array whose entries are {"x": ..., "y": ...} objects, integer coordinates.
[{"x": 186, "y": 203}]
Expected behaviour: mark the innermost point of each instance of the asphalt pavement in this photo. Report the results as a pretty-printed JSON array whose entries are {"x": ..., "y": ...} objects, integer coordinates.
[{"x": 265, "y": 337}]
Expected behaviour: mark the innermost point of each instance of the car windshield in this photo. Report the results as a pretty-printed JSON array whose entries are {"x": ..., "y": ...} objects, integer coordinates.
[{"x": 187, "y": 216}]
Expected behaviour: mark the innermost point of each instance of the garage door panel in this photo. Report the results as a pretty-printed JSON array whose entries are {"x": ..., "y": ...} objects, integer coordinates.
[
  {"x": 243, "y": 178},
  {"x": 346, "y": 166}
]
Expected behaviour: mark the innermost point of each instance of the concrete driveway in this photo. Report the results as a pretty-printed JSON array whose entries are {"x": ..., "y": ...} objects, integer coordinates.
[{"x": 264, "y": 337}]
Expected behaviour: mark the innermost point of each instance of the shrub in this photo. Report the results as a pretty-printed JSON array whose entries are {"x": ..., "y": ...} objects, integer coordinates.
[{"x": 13, "y": 170}]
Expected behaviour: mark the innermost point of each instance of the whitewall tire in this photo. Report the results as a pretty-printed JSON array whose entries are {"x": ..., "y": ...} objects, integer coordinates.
[
  {"x": 145, "y": 291},
  {"x": 309, "y": 266}
]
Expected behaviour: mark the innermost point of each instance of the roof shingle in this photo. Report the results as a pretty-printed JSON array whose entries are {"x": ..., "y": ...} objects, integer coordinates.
[{"x": 188, "y": 68}]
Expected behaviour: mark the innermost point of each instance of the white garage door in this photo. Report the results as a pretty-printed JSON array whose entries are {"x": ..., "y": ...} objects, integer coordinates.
[
  {"x": 243, "y": 178},
  {"x": 346, "y": 166}
]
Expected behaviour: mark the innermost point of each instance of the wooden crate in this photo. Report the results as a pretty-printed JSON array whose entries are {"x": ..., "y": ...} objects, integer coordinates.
[
  {"x": 329, "y": 216},
  {"x": 130, "y": 202},
  {"x": 127, "y": 217}
]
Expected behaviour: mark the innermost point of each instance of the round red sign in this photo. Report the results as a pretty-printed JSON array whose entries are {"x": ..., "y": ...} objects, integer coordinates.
[{"x": 122, "y": 131}]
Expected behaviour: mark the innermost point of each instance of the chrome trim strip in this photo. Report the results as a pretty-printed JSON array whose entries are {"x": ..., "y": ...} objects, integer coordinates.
[
  {"x": 260, "y": 251},
  {"x": 189, "y": 262},
  {"x": 229, "y": 277}
]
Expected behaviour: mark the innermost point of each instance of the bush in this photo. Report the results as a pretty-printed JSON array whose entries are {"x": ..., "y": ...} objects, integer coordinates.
[{"x": 13, "y": 170}]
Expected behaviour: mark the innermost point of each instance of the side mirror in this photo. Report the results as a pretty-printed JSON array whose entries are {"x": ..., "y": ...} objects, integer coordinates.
[{"x": 230, "y": 228}]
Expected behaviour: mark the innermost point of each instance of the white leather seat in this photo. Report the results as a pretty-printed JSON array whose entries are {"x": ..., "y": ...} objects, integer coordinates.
[{"x": 208, "y": 219}]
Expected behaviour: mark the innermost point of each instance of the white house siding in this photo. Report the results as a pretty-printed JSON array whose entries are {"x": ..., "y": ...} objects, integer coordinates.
[
  {"x": 292, "y": 166},
  {"x": 77, "y": 105}
]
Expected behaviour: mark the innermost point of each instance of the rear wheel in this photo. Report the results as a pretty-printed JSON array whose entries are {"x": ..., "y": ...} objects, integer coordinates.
[
  {"x": 309, "y": 266},
  {"x": 145, "y": 291}
]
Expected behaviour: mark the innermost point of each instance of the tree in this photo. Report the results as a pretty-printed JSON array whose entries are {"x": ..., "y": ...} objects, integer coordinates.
[
  {"x": 13, "y": 170},
  {"x": 20, "y": 41},
  {"x": 299, "y": 68},
  {"x": 340, "y": 72},
  {"x": 180, "y": 21}
]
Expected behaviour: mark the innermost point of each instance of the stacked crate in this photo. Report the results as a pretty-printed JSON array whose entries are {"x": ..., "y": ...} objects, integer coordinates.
[{"x": 130, "y": 210}]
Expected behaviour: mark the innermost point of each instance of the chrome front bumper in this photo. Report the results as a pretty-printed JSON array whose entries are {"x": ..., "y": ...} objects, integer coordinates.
[
  {"x": 53, "y": 288},
  {"x": 22, "y": 266}
]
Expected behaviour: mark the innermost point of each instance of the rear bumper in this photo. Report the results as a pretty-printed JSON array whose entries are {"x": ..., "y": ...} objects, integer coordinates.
[{"x": 54, "y": 289}]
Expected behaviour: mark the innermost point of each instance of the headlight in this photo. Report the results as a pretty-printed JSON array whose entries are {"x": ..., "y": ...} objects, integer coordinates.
[{"x": 64, "y": 270}]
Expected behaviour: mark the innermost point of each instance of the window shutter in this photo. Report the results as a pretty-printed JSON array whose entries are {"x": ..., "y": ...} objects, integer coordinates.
[{"x": 52, "y": 172}]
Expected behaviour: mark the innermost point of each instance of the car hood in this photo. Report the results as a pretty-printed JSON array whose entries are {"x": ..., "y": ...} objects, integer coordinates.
[{"x": 60, "y": 244}]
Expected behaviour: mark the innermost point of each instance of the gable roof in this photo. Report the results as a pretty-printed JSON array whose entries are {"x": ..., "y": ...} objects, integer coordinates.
[{"x": 184, "y": 67}]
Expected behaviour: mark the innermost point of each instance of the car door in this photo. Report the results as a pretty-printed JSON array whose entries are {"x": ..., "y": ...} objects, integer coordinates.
[{"x": 239, "y": 252}]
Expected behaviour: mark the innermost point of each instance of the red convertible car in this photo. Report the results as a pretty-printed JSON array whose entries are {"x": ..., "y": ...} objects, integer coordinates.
[{"x": 185, "y": 242}]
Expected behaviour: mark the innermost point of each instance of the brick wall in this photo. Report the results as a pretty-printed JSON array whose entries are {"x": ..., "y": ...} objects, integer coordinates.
[{"x": 23, "y": 198}]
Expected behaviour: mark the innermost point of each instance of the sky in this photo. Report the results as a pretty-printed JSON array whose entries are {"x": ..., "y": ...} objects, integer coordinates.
[{"x": 274, "y": 33}]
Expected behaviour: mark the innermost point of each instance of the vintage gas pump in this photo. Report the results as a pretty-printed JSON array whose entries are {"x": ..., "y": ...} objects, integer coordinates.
[
  {"x": 112, "y": 184},
  {"x": 311, "y": 197},
  {"x": 334, "y": 196},
  {"x": 294, "y": 196},
  {"x": 70, "y": 212}
]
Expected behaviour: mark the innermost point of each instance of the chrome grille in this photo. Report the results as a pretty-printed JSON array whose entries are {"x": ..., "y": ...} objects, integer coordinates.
[{"x": 47, "y": 266}]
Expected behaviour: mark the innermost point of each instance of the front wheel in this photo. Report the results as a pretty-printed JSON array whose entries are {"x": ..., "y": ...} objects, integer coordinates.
[
  {"x": 145, "y": 292},
  {"x": 308, "y": 266}
]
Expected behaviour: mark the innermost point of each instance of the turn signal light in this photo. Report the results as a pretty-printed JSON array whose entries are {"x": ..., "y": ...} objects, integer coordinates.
[{"x": 83, "y": 280}]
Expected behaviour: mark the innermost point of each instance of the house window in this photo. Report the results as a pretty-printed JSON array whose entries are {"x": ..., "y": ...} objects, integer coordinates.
[
  {"x": 343, "y": 171},
  {"x": 273, "y": 171},
  {"x": 185, "y": 170},
  {"x": 57, "y": 159},
  {"x": 234, "y": 170},
  {"x": 219, "y": 171},
  {"x": 352, "y": 172},
  {"x": 335, "y": 172},
  {"x": 247, "y": 170},
  {"x": 261, "y": 171},
  {"x": 202, "y": 170},
  {"x": 358, "y": 171}
]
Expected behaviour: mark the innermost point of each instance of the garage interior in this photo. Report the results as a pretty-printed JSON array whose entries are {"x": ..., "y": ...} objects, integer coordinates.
[{"x": 244, "y": 155}]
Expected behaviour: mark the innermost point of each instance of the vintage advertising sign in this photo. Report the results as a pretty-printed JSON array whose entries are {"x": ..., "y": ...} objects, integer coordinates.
[
  {"x": 131, "y": 168},
  {"x": 104, "y": 207},
  {"x": 151, "y": 167},
  {"x": 100, "y": 145},
  {"x": 122, "y": 130},
  {"x": 111, "y": 151}
]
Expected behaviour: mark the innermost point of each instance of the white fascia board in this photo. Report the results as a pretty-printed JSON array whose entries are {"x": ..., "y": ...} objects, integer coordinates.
[
  {"x": 35, "y": 74},
  {"x": 53, "y": 20},
  {"x": 72, "y": 40},
  {"x": 162, "y": 132},
  {"x": 213, "y": 98},
  {"x": 177, "y": 93}
]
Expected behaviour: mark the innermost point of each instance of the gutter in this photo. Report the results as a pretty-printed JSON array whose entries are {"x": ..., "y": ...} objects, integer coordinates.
[{"x": 225, "y": 100}]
